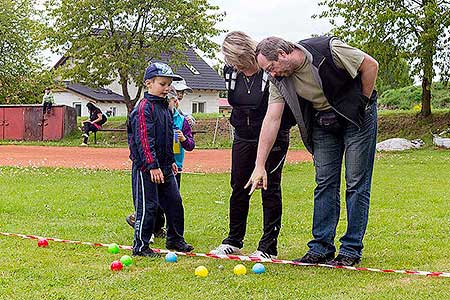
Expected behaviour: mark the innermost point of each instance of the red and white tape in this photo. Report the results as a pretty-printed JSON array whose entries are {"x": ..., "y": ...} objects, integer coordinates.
[{"x": 237, "y": 257}]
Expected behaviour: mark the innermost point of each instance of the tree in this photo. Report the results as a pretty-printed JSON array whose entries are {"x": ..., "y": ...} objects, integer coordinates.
[
  {"x": 394, "y": 70},
  {"x": 218, "y": 67},
  {"x": 21, "y": 76},
  {"x": 415, "y": 30},
  {"x": 117, "y": 38}
]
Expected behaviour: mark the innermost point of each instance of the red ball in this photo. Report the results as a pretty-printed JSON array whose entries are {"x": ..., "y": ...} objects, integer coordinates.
[
  {"x": 42, "y": 243},
  {"x": 116, "y": 265}
]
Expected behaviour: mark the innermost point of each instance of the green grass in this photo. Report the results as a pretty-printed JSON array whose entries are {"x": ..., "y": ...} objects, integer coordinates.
[
  {"x": 408, "y": 229},
  {"x": 203, "y": 116}
]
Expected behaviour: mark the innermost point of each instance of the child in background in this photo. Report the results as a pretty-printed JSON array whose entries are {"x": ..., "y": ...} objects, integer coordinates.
[
  {"x": 183, "y": 133},
  {"x": 47, "y": 101},
  {"x": 150, "y": 138},
  {"x": 182, "y": 88}
]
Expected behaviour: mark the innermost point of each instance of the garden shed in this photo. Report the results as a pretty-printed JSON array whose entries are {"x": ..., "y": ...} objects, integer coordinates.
[{"x": 27, "y": 122}]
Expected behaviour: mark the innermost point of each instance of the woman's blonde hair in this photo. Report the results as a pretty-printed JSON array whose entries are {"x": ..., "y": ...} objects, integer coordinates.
[{"x": 239, "y": 50}]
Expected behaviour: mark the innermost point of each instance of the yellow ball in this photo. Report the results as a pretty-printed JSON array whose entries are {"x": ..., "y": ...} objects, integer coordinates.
[
  {"x": 240, "y": 270},
  {"x": 201, "y": 271}
]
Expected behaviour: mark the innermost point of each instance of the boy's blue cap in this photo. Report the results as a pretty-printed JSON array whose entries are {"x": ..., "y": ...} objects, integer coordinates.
[{"x": 160, "y": 70}]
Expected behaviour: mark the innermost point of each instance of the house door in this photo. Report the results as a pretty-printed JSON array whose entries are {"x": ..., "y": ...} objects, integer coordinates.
[
  {"x": 53, "y": 129},
  {"x": 13, "y": 123},
  {"x": 2, "y": 123},
  {"x": 33, "y": 123}
]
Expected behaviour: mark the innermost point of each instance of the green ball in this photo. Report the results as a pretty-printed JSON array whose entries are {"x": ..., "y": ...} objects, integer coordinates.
[
  {"x": 126, "y": 260},
  {"x": 113, "y": 248}
]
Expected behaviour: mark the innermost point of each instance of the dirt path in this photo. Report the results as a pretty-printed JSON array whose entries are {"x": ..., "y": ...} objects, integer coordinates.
[{"x": 209, "y": 161}]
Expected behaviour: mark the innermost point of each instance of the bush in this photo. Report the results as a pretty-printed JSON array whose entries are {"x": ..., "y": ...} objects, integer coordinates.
[
  {"x": 409, "y": 97},
  {"x": 402, "y": 98}
]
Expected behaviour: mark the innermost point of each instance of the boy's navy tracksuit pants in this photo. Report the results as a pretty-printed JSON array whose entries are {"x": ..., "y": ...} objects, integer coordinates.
[{"x": 147, "y": 195}]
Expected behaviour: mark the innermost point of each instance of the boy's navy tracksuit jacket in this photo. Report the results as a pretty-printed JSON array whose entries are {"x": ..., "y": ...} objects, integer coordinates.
[
  {"x": 150, "y": 139},
  {"x": 150, "y": 134}
]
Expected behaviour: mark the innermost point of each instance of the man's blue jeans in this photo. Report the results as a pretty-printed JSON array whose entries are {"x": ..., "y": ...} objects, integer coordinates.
[{"x": 357, "y": 147}]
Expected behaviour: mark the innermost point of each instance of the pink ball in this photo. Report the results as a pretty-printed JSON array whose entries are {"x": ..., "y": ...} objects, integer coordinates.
[
  {"x": 42, "y": 243},
  {"x": 116, "y": 265}
]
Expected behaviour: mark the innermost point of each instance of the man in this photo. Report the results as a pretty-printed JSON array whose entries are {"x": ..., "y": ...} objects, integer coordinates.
[{"x": 328, "y": 85}]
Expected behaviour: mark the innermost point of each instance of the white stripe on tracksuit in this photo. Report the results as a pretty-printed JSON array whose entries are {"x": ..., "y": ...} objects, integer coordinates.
[{"x": 143, "y": 208}]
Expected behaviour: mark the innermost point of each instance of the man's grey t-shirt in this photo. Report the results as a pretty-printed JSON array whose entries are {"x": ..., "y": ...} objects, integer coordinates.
[{"x": 344, "y": 56}]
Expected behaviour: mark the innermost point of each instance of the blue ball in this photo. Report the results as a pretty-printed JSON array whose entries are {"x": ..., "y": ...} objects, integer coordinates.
[
  {"x": 171, "y": 257},
  {"x": 258, "y": 268}
]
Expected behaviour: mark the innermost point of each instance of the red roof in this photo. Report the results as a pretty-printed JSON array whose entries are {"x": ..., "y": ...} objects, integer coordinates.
[{"x": 223, "y": 102}]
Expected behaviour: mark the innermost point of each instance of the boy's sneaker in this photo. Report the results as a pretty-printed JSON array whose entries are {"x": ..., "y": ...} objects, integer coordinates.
[
  {"x": 344, "y": 260},
  {"x": 83, "y": 144},
  {"x": 146, "y": 252},
  {"x": 131, "y": 219},
  {"x": 310, "y": 258},
  {"x": 262, "y": 255},
  {"x": 225, "y": 249},
  {"x": 180, "y": 246}
]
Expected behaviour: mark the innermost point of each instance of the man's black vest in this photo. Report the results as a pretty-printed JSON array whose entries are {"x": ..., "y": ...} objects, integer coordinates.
[{"x": 343, "y": 92}]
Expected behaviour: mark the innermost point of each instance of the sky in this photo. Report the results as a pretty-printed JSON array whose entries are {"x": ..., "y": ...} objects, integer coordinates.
[{"x": 289, "y": 19}]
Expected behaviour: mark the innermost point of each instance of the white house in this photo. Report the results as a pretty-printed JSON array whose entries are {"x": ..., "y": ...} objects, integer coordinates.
[
  {"x": 205, "y": 82},
  {"x": 78, "y": 95}
]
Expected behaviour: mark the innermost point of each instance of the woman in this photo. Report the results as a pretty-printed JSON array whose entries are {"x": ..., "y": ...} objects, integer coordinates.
[
  {"x": 95, "y": 122},
  {"x": 248, "y": 94}
]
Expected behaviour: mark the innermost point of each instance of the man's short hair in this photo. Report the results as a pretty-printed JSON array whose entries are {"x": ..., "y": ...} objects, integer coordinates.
[
  {"x": 239, "y": 50},
  {"x": 270, "y": 47}
]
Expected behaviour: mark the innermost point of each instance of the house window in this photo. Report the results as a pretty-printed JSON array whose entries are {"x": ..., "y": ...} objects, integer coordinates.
[
  {"x": 113, "y": 110},
  {"x": 192, "y": 69},
  {"x": 198, "y": 107},
  {"x": 77, "y": 106}
]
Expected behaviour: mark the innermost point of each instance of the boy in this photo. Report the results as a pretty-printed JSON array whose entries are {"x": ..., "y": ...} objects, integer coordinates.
[
  {"x": 182, "y": 125},
  {"x": 150, "y": 139}
]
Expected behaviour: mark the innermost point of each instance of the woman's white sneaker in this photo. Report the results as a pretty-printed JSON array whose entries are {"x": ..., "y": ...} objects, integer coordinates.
[
  {"x": 225, "y": 249},
  {"x": 262, "y": 255}
]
